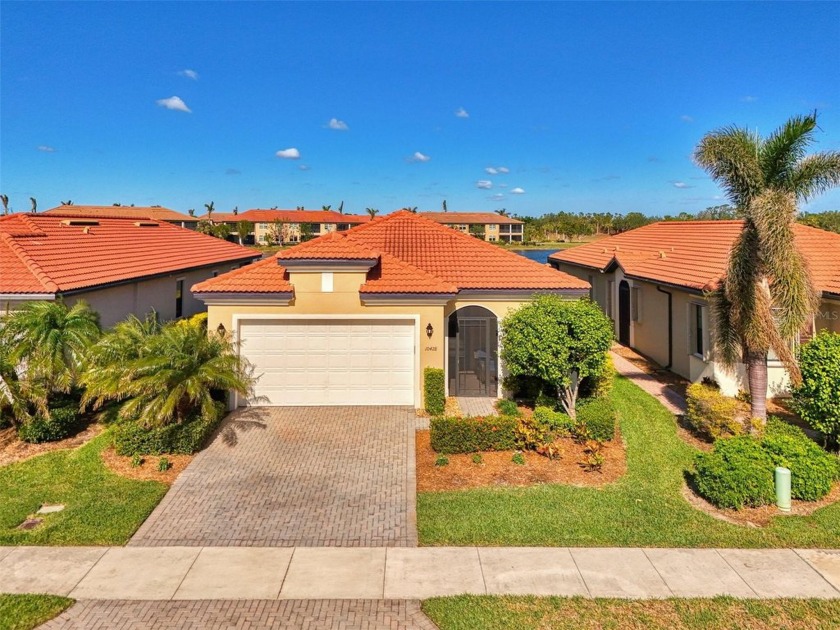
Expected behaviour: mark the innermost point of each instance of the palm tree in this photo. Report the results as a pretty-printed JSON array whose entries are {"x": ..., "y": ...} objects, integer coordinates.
[
  {"x": 243, "y": 229},
  {"x": 326, "y": 208},
  {"x": 210, "y": 207},
  {"x": 412, "y": 209},
  {"x": 5, "y": 200},
  {"x": 444, "y": 206},
  {"x": 767, "y": 294},
  {"x": 17, "y": 396},
  {"x": 69, "y": 202},
  {"x": 191, "y": 212},
  {"x": 372, "y": 212},
  {"x": 502, "y": 212},
  {"x": 34, "y": 205},
  {"x": 172, "y": 374},
  {"x": 235, "y": 210},
  {"x": 341, "y": 208},
  {"x": 51, "y": 342}
]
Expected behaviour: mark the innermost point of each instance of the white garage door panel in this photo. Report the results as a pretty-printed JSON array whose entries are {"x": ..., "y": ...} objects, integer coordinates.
[{"x": 331, "y": 362}]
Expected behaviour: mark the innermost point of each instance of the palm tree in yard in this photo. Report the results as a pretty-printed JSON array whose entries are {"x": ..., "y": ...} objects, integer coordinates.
[
  {"x": 767, "y": 295},
  {"x": 372, "y": 212},
  {"x": 51, "y": 341},
  {"x": 243, "y": 229},
  {"x": 167, "y": 376}
]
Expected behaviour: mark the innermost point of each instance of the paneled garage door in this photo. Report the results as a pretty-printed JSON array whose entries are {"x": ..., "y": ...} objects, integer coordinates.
[{"x": 331, "y": 362}]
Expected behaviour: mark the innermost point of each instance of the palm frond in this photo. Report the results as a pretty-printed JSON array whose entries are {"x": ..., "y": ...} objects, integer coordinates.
[
  {"x": 784, "y": 148},
  {"x": 815, "y": 174},
  {"x": 731, "y": 157}
]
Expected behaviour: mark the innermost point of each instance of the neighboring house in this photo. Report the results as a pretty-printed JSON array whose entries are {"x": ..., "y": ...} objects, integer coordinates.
[
  {"x": 291, "y": 226},
  {"x": 487, "y": 225},
  {"x": 652, "y": 282},
  {"x": 119, "y": 266},
  {"x": 157, "y": 213},
  {"x": 353, "y": 318}
]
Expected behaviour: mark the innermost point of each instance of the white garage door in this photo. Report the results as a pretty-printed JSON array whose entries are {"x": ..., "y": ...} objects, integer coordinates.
[{"x": 331, "y": 362}]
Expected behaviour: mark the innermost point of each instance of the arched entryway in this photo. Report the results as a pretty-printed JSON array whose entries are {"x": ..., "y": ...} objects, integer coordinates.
[
  {"x": 473, "y": 361},
  {"x": 624, "y": 312}
]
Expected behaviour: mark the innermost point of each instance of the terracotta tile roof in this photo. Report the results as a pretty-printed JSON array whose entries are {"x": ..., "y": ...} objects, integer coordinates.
[
  {"x": 53, "y": 253},
  {"x": 469, "y": 217},
  {"x": 332, "y": 246},
  {"x": 222, "y": 217},
  {"x": 263, "y": 276},
  {"x": 257, "y": 215},
  {"x": 416, "y": 255},
  {"x": 125, "y": 212},
  {"x": 694, "y": 254}
]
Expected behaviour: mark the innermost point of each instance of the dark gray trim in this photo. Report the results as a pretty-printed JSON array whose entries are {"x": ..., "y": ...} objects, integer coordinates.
[
  {"x": 245, "y": 296},
  {"x": 303, "y": 263},
  {"x": 414, "y": 297},
  {"x": 516, "y": 294},
  {"x": 175, "y": 272}
]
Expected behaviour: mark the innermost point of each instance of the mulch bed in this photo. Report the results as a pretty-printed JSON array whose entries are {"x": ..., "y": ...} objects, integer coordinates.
[
  {"x": 14, "y": 450},
  {"x": 148, "y": 470},
  {"x": 497, "y": 469},
  {"x": 759, "y": 516}
]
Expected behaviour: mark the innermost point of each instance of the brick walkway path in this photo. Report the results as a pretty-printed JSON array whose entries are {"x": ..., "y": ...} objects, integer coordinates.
[
  {"x": 296, "y": 476},
  {"x": 254, "y": 615},
  {"x": 670, "y": 399},
  {"x": 477, "y": 406}
]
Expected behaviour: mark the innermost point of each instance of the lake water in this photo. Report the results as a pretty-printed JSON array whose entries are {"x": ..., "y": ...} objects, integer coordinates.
[{"x": 539, "y": 255}]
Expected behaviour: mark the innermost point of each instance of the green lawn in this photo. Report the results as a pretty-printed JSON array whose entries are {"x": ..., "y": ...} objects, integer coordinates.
[
  {"x": 101, "y": 508},
  {"x": 469, "y": 612},
  {"x": 22, "y": 612},
  {"x": 644, "y": 508}
]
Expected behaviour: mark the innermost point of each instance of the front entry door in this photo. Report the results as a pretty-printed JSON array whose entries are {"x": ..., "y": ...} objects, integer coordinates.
[
  {"x": 473, "y": 353},
  {"x": 624, "y": 312}
]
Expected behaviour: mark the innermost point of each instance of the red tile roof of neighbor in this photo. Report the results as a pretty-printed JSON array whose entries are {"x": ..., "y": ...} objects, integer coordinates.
[
  {"x": 414, "y": 255},
  {"x": 257, "y": 215},
  {"x": 469, "y": 217},
  {"x": 53, "y": 253},
  {"x": 128, "y": 212},
  {"x": 694, "y": 254}
]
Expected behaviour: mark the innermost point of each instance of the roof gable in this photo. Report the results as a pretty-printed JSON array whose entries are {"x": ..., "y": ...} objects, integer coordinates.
[{"x": 121, "y": 212}]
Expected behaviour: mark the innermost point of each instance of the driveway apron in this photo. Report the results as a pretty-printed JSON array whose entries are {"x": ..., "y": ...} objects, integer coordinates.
[{"x": 296, "y": 476}]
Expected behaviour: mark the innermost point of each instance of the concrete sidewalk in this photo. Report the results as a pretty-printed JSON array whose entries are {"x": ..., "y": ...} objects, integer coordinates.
[{"x": 301, "y": 573}]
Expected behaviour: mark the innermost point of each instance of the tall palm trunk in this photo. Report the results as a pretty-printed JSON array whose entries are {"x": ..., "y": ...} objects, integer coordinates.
[{"x": 756, "y": 363}]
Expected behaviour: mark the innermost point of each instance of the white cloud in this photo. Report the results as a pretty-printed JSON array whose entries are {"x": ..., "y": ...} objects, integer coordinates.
[
  {"x": 686, "y": 118},
  {"x": 174, "y": 103},
  {"x": 190, "y": 74},
  {"x": 288, "y": 154},
  {"x": 497, "y": 197},
  {"x": 462, "y": 113},
  {"x": 681, "y": 185},
  {"x": 46, "y": 149},
  {"x": 491, "y": 171},
  {"x": 484, "y": 184},
  {"x": 338, "y": 125},
  {"x": 503, "y": 169},
  {"x": 304, "y": 167},
  {"x": 419, "y": 157},
  {"x": 502, "y": 185},
  {"x": 517, "y": 191}
]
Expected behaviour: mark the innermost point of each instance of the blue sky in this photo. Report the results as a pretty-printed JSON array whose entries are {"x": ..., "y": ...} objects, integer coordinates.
[{"x": 580, "y": 106}]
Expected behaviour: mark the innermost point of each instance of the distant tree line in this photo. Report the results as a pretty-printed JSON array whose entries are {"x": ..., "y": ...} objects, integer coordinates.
[{"x": 571, "y": 226}]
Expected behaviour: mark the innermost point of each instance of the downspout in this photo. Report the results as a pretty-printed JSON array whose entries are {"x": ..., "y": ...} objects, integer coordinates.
[{"x": 670, "y": 327}]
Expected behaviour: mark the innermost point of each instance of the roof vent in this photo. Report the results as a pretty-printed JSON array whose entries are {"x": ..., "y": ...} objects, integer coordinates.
[
  {"x": 86, "y": 230},
  {"x": 662, "y": 254},
  {"x": 146, "y": 223},
  {"x": 72, "y": 222}
]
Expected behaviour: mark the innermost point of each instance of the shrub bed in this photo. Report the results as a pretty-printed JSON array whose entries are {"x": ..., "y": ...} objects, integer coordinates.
[
  {"x": 812, "y": 470},
  {"x": 468, "y": 435},
  {"x": 712, "y": 414},
  {"x": 507, "y": 407},
  {"x": 61, "y": 423},
  {"x": 737, "y": 473},
  {"x": 596, "y": 420},
  {"x": 131, "y": 438},
  {"x": 434, "y": 391}
]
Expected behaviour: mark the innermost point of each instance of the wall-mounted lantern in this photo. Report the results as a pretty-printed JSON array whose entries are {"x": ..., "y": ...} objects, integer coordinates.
[
  {"x": 429, "y": 331},
  {"x": 221, "y": 329}
]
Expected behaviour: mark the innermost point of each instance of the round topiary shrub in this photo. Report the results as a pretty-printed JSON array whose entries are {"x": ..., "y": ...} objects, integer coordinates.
[
  {"x": 737, "y": 473},
  {"x": 812, "y": 470}
]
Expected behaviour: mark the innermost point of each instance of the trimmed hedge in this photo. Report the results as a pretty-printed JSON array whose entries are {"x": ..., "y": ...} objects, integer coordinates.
[
  {"x": 556, "y": 421},
  {"x": 737, "y": 473},
  {"x": 468, "y": 435},
  {"x": 597, "y": 419},
  {"x": 131, "y": 438},
  {"x": 61, "y": 423},
  {"x": 434, "y": 391},
  {"x": 817, "y": 399},
  {"x": 712, "y": 414}
]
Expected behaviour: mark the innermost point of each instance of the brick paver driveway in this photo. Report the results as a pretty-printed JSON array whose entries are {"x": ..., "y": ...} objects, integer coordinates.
[{"x": 296, "y": 476}]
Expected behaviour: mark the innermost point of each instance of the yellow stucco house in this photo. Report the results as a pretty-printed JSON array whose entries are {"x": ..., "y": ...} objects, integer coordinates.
[
  {"x": 653, "y": 281},
  {"x": 490, "y": 226},
  {"x": 353, "y": 318}
]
